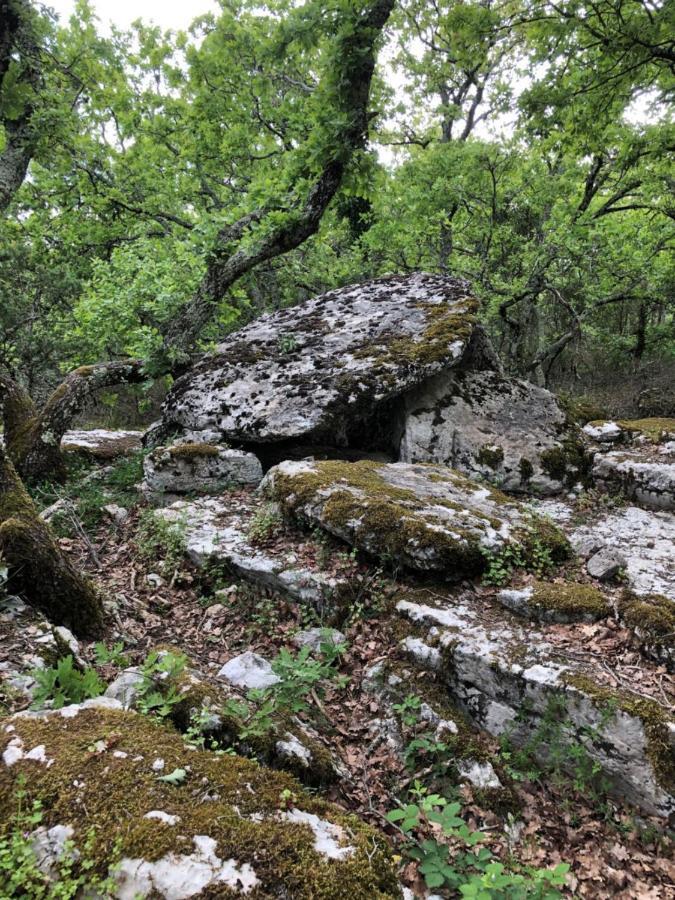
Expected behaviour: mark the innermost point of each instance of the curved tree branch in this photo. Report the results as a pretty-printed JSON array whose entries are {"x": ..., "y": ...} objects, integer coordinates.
[
  {"x": 33, "y": 437},
  {"x": 355, "y": 57}
]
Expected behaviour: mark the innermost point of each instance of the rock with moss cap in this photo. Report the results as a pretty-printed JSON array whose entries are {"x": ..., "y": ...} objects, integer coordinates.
[
  {"x": 190, "y": 467},
  {"x": 102, "y": 443},
  {"x": 323, "y": 371},
  {"x": 424, "y": 517},
  {"x": 545, "y": 601},
  {"x": 506, "y": 431},
  {"x": 650, "y": 430},
  {"x": 225, "y": 827}
]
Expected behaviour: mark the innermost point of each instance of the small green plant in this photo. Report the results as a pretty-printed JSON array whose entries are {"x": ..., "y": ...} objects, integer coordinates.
[
  {"x": 286, "y": 343},
  {"x": 299, "y": 676},
  {"x": 20, "y": 875},
  {"x": 408, "y": 710},
  {"x": 265, "y": 524},
  {"x": 160, "y": 540},
  {"x": 448, "y": 857},
  {"x": 112, "y": 656},
  {"x": 552, "y": 750},
  {"x": 64, "y": 683},
  {"x": 87, "y": 491},
  {"x": 159, "y": 691},
  {"x": 502, "y": 564}
]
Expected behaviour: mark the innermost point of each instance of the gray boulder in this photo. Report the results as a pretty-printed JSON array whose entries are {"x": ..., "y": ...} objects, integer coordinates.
[
  {"x": 606, "y": 564},
  {"x": 509, "y": 432},
  {"x": 648, "y": 478},
  {"x": 249, "y": 670},
  {"x": 200, "y": 468}
]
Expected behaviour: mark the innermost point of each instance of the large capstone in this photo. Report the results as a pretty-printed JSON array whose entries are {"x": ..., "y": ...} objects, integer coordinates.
[
  {"x": 395, "y": 366},
  {"x": 424, "y": 517},
  {"x": 323, "y": 372},
  {"x": 509, "y": 432}
]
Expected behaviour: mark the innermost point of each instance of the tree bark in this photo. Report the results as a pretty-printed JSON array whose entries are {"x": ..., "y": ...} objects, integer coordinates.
[
  {"x": 17, "y": 41},
  {"x": 37, "y": 568},
  {"x": 33, "y": 437}
]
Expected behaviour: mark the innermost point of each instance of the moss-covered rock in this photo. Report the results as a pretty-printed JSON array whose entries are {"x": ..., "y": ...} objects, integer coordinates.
[
  {"x": 545, "y": 601},
  {"x": 227, "y": 824},
  {"x": 425, "y": 517}
]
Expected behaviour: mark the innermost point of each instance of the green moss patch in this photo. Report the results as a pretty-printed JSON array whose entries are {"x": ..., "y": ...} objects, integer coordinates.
[
  {"x": 654, "y": 429},
  {"x": 490, "y": 455},
  {"x": 445, "y": 326},
  {"x": 102, "y": 779},
  {"x": 652, "y": 619},
  {"x": 571, "y": 601}
]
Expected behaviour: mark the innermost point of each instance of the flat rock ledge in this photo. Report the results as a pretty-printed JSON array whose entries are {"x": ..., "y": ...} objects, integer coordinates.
[
  {"x": 102, "y": 443},
  {"x": 631, "y": 431},
  {"x": 223, "y": 827},
  {"x": 644, "y": 538},
  {"x": 425, "y": 517},
  {"x": 218, "y": 530},
  {"x": 648, "y": 481},
  {"x": 506, "y": 677}
]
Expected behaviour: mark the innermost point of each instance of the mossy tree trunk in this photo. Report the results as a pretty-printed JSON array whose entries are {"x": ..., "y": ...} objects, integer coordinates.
[
  {"x": 38, "y": 570},
  {"x": 33, "y": 437}
]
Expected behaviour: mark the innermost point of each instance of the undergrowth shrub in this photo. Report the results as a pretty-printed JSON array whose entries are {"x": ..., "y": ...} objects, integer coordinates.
[{"x": 64, "y": 683}]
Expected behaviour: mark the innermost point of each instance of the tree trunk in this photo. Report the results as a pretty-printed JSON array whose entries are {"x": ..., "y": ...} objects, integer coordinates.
[
  {"x": 33, "y": 437},
  {"x": 18, "y": 44},
  {"x": 38, "y": 570}
]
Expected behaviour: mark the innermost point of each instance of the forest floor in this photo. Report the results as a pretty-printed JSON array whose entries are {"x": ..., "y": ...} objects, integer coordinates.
[{"x": 549, "y": 818}]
